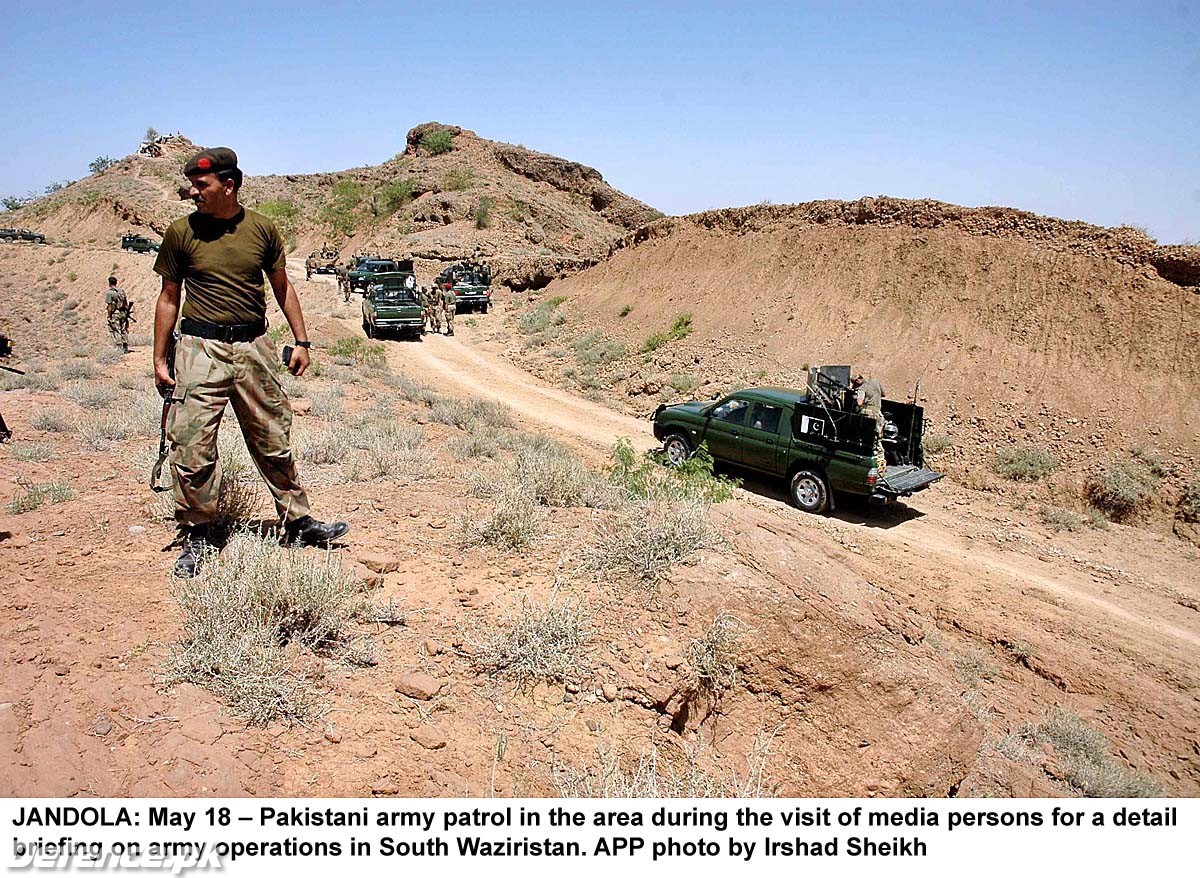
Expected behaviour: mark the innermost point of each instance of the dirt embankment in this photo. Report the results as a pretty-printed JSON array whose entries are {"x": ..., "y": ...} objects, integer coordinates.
[{"x": 1020, "y": 329}]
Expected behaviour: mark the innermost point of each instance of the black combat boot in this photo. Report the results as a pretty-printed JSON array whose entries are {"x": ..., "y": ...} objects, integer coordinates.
[
  {"x": 307, "y": 531},
  {"x": 194, "y": 541}
]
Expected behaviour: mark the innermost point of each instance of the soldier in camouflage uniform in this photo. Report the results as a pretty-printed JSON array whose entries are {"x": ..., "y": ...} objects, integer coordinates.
[
  {"x": 120, "y": 311},
  {"x": 343, "y": 278},
  {"x": 868, "y": 396},
  {"x": 449, "y": 306},
  {"x": 219, "y": 254},
  {"x": 433, "y": 309}
]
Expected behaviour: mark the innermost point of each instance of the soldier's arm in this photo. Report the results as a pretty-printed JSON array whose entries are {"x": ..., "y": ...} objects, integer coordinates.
[
  {"x": 289, "y": 303},
  {"x": 166, "y": 311}
]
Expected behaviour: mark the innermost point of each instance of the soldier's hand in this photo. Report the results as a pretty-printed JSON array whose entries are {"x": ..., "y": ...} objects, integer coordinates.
[
  {"x": 299, "y": 361},
  {"x": 162, "y": 374}
]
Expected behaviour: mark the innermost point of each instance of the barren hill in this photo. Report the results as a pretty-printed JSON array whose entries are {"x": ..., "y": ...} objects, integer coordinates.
[
  {"x": 1020, "y": 328},
  {"x": 445, "y": 195}
]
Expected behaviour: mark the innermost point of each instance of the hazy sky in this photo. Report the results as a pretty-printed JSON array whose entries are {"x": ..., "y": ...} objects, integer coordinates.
[{"x": 1079, "y": 110}]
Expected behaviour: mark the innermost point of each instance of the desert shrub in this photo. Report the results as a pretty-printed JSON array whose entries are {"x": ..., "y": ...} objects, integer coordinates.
[
  {"x": 457, "y": 179},
  {"x": 249, "y": 613},
  {"x": 645, "y": 540},
  {"x": 713, "y": 657},
  {"x": 385, "y": 449},
  {"x": 108, "y": 357},
  {"x": 1189, "y": 504},
  {"x": 89, "y": 396},
  {"x": 483, "y": 213},
  {"x": 77, "y": 370},
  {"x": 412, "y": 390},
  {"x": 544, "y": 315},
  {"x": 681, "y": 328},
  {"x": 1063, "y": 519},
  {"x": 470, "y": 413},
  {"x": 53, "y": 421},
  {"x": 327, "y": 404},
  {"x": 284, "y": 214},
  {"x": 338, "y": 211},
  {"x": 936, "y": 442},
  {"x": 38, "y": 495},
  {"x": 1121, "y": 487},
  {"x": 549, "y": 473},
  {"x": 100, "y": 164},
  {"x": 436, "y": 142},
  {"x": 517, "y": 210},
  {"x": 353, "y": 350},
  {"x": 516, "y": 520},
  {"x": 593, "y": 349},
  {"x": 477, "y": 443},
  {"x": 683, "y": 383},
  {"x": 1021, "y": 463},
  {"x": 392, "y": 196},
  {"x": 1154, "y": 461},
  {"x": 973, "y": 667},
  {"x": 31, "y": 451},
  {"x": 1085, "y": 760},
  {"x": 322, "y": 447},
  {"x": 644, "y": 478},
  {"x": 533, "y": 644},
  {"x": 28, "y": 381}
]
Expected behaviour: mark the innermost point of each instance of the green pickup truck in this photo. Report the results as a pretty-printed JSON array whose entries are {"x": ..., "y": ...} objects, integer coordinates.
[
  {"x": 472, "y": 284},
  {"x": 364, "y": 272},
  {"x": 139, "y": 243},
  {"x": 806, "y": 438},
  {"x": 390, "y": 305}
]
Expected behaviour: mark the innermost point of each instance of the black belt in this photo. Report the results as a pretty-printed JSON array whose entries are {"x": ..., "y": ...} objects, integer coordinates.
[{"x": 228, "y": 332}]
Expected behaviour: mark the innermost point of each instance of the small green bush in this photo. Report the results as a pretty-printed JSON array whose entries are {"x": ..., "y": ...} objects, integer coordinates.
[
  {"x": 1024, "y": 464},
  {"x": 935, "y": 443},
  {"x": 625, "y": 311},
  {"x": 436, "y": 142},
  {"x": 1189, "y": 505},
  {"x": 353, "y": 350},
  {"x": 681, "y": 328},
  {"x": 339, "y": 210},
  {"x": 544, "y": 315},
  {"x": 392, "y": 196},
  {"x": 1121, "y": 487},
  {"x": 645, "y": 478},
  {"x": 457, "y": 179},
  {"x": 37, "y": 495},
  {"x": 483, "y": 213}
]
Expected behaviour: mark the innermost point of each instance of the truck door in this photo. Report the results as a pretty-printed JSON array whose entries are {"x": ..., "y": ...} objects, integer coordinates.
[
  {"x": 761, "y": 444},
  {"x": 726, "y": 425}
]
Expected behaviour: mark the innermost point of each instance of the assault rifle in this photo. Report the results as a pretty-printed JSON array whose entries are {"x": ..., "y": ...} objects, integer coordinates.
[{"x": 166, "y": 392}]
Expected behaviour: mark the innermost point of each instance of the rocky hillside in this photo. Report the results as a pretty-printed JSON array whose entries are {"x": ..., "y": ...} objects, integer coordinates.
[{"x": 447, "y": 194}]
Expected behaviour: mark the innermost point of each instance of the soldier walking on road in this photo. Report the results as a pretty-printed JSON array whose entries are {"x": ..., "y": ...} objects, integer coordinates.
[
  {"x": 868, "y": 395},
  {"x": 120, "y": 311},
  {"x": 433, "y": 308},
  {"x": 218, "y": 256},
  {"x": 449, "y": 306}
]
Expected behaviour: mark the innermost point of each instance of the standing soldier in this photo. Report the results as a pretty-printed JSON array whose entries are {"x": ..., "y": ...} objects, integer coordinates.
[
  {"x": 119, "y": 313},
  {"x": 449, "y": 305},
  {"x": 868, "y": 394},
  {"x": 433, "y": 308},
  {"x": 343, "y": 278},
  {"x": 213, "y": 260}
]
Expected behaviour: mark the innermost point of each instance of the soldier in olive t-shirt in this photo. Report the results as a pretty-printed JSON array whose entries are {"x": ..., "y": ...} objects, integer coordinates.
[{"x": 222, "y": 262}]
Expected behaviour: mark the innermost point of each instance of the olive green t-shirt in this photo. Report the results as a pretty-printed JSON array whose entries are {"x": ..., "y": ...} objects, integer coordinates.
[{"x": 221, "y": 264}]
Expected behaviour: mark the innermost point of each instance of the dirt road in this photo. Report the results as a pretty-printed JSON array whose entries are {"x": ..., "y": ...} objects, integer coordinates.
[{"x": 1110, "y": 615}]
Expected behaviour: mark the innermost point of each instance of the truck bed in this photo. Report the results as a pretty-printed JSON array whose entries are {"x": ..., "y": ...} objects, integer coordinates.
[{"x": 902, "y": 480}]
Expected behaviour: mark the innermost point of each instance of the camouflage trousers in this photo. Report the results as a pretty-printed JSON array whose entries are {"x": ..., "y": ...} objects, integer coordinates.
[
  {"x": 877, "y": 450},
  {"x": 118, "y": 329},
  {"x": 209, "y": 374},
  {"x": 434, "y": 318},
  {"x": 450, "y": 311}
]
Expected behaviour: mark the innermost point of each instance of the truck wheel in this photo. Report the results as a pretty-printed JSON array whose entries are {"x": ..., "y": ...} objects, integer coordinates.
[
  {"x": 676, "y": 449},
  {"x": 484, "y": 307},
  {"x": 809, "y": 491}
]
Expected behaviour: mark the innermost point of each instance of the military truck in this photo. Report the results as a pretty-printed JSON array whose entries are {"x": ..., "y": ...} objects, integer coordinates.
[
  {"x": 472, "y": 284},
  {"x": 138, "y": 243},
  {"x": 390, "y": 305},
  {"x": 361, "y": 274},
  {"x": 323, "y": 261},
  {"x": 811, "y": 439},
  {"x": 11, "y": 235}
]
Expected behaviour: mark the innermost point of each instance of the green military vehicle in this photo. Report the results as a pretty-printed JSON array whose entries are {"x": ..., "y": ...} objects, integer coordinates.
[
  {"x": 11, "y": 235},
  {"x": 390, "y": 306},
  {"x": 362, "y": 273},
  {"x": 323, "y": 261},
  {"x": 808, "y": 438},
  {"x": 472, "y": 284},
  {"x": 138, "y": 243}
]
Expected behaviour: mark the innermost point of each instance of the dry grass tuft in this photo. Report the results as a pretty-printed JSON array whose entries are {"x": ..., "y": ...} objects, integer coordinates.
[
  {"x": 645, "y": 540},
  {"x": 1084, "y": 758},
  {"x": 534, "y": 643},
  {"x": 713, "y": 657}
]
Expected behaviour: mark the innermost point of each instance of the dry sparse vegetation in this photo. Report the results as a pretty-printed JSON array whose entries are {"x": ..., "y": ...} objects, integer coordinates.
[
  {"x": 250, "y": 614},
  {"x": 713, "y": 657},
  {"x": 1024, "y": 464},
  {"x": 1121, "y": 487},
  {"x": 534, "y": 643},
  {"x": 38, "y": 495}
]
